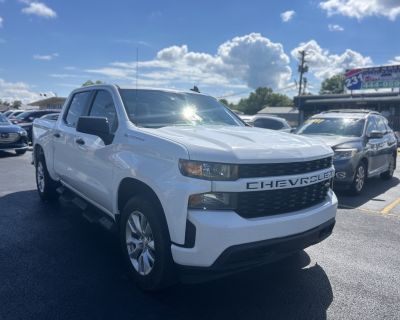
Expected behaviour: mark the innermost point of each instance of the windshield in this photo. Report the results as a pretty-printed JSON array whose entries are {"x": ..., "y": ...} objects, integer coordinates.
[
  {"x": 23, "y": 115},
  {"x": 4, "y": 121},
  {"x": 156, "y": 109},
  {"x": 347, "y": 127}
]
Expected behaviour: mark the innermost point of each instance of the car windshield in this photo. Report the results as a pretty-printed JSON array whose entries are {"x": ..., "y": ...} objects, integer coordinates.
[
  {"x": 156, "y": 109},
  {"x": 347, "y": 127},
  {"x": 23, "y": 115},
  {"x": 4, "y": 121}
]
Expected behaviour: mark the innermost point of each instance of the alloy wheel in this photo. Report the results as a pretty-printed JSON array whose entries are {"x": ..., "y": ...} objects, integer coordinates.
[
  {"x": 40, "y": 177},
  {"x": 140, "y": 243},
  {"x": 360, "y": 178}
]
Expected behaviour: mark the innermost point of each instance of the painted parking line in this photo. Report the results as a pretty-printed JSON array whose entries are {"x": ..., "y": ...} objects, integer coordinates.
[{"x": 391, "y": 206}]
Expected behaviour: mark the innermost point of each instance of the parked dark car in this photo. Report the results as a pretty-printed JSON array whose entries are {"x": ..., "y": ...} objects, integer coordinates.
[
  {"x": 14, "y": 113},
  {"x": 26, "y": 118},
  {"x": 364, "y": 145},
  {"x": 12, "y": 137}
]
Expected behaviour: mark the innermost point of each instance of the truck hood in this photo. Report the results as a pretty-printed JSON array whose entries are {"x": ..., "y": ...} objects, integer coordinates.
[
  {"x": 334, "y": 141},
  {"x": 231, "y": 144}
]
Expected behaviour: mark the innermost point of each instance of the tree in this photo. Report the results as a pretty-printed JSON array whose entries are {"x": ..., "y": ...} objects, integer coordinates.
[
  {"x": 90, "y": 83},
  {"x": 261, "y": 98},
  {"x": 333, "y": 85},
  {"x": 16, "y": 104}
]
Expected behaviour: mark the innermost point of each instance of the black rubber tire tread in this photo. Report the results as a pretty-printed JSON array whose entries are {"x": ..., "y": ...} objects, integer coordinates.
[
  {"x": 353, "y": 190},
  {"x": 163, "y": 274},
  {"x": 50, "y": 186}
]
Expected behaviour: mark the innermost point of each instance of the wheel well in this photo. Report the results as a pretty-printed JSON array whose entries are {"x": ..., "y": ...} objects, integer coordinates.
[
  {"x": 130, "y": 187},
  {"x": 365, "y": 161}
]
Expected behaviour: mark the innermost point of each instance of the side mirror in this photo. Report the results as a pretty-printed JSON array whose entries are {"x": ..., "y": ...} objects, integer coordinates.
[
  {"x": 375, "y": 134},
  {"x": 293, "y": 130},
  {"x": 97, "y": 126}
]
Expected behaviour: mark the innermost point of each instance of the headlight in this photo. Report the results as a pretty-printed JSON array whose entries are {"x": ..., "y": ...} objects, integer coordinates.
[
  {"x": 23, "y": 133},
  {"x": 342, "y": 154},
  {"x": 213, "y": 201},
  {"x": 208, "y": 170}
]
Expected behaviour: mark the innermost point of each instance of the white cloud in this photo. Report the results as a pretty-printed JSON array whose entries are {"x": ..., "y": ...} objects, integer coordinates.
[
  {"x": 45, "y": 57},
  {"x": 17, "y": 91},
  {"x": 324, "y": 64},
  {"x": 1, "y": 22},
  {"x": 39, "y": 9},
  {"x": 287, "y": 15},
  {"x": 248, "y": 61},
  {"x": 335, "y": 27},
  {"x": 395, "y": 60},
  {"x": 362, "y": 8}
]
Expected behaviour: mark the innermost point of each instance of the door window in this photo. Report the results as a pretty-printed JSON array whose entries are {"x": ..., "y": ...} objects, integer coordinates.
[
  {"x": 77, "y": 107},
  {"x": 381, "y": 124},
  {"x": 371, "y": 126},
  {"x": 103, "y": 106}
]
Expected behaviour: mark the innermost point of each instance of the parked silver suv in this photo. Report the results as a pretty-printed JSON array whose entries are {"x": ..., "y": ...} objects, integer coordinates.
[{"x": 364, "y": 145}]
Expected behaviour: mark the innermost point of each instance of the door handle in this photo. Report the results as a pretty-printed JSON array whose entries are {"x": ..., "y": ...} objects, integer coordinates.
[
  {"x": 80, "y": 141},
  {"x": 57, "y": 135}
]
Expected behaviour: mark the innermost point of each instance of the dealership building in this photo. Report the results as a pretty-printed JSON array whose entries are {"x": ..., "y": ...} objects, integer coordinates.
[
  {"x": 357, "y": 81},
  {"x": 387, "y": 103}
]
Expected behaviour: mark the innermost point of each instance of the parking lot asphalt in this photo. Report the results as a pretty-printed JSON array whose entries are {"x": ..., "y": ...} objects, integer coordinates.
[{"x": 55, "y": 265}]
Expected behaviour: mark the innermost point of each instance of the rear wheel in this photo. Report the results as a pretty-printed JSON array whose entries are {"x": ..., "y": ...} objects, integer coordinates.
[
  {"x": 359, "y": 179},
  {"x": 146, "y": 244},
  {"x": 46, "y": 186},
  {"x": 387, "y": 175}
]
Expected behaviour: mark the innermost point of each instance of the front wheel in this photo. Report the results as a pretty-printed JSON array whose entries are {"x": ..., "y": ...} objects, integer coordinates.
[
  {"x": 46, "y": 186},
  {"x": 359, "y": 179},
  {"x": 387, "y": 175},
  {"x": 20, "y": 152},
  {"x": 146, "y": 244}
]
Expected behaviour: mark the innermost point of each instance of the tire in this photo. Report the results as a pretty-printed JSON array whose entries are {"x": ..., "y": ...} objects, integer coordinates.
[
  {"x": 359, "y": 179},
  {"x": 387, "y": 175},
  {"x": 46, "y": 186},
  {"x": 20, "y": 152},
  {"x": 146, "y": 244}
]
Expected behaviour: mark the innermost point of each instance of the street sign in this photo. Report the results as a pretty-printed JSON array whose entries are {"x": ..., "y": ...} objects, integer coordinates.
[{"x": 373, "y": 78}]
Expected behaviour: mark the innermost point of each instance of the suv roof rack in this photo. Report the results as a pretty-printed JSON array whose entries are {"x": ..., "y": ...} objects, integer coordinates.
[{"x": 351, "y": 111}]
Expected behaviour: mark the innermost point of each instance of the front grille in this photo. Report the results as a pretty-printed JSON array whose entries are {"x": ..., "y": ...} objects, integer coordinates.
[
  {"x": 283, "y": 169},
  {"x": 271, "y": 202},
  {"x": 9, "y": 137}
]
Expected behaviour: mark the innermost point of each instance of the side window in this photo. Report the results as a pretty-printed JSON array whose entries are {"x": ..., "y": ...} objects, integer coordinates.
[
  {"x": 268, "y": 124},
  {"x": 371, "y": 126},
  {"x": 103, "y": 106},
  {"x": 77, "y": 107},
  {"x": 381, "y": 124}
]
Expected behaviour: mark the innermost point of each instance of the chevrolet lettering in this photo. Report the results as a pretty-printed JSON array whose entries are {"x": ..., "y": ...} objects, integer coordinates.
[
  {"x": 283, "y": 183},
  {"x": 192, "y": 190}
]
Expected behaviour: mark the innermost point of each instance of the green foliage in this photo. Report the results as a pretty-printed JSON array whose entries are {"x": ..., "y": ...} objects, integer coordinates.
[
  {"x": 16, "y": 104},
  {"x": 333, "y": 85},
  {"x": 90, "y": 83},
  {"x": 260, "y": 99}
]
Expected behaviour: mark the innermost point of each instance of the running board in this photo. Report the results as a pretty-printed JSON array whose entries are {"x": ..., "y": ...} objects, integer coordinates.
[{"x": 89, "y": 212}]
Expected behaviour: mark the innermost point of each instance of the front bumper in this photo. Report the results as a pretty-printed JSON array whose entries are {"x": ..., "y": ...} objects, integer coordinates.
[
  {"x": 218, "y": 231},
  {"x": 14, "y": 146},
  {"x": 344, "y": 171}
]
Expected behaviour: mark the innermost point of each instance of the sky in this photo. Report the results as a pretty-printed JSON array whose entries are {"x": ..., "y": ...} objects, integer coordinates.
[{"x": 226, "y": 48}]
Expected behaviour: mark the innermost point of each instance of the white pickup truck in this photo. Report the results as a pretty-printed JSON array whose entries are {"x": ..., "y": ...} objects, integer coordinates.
[{"x": 191, "y": 188}]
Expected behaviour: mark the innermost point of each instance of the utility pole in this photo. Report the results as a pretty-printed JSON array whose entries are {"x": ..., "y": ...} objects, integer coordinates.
[{"x": 303, "y": 68}]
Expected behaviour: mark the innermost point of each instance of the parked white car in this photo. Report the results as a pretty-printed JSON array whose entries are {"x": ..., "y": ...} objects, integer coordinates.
[{"x": 191, "y": 189}]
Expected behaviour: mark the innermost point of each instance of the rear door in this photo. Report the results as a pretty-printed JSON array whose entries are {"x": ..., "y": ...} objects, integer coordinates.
[
  {"x": 66, "y": 161},
  {"x": 388, "y": 142},
  {"x": 95, "y": 173}
]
